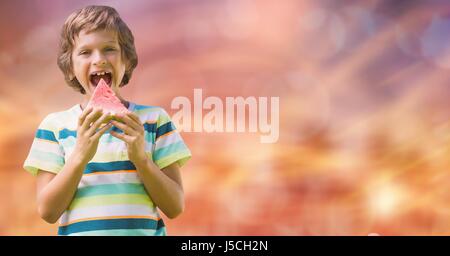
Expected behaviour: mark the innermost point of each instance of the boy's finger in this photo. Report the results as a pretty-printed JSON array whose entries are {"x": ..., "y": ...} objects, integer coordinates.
[
  {"x": 134, "y": 116},
  {"x": 83, "y": 115},
  {"x": 102, "y": 130},
  {"x": 95, "y": 114},
  {"x": 125, "y": 128},
  {"x": 119, "y": 117},
  {"x": 98, "y": 122},
  {"x": 131, "y": 122},
  {"x": 137, "y": 124},
  {"x": 120, "y": 136}
]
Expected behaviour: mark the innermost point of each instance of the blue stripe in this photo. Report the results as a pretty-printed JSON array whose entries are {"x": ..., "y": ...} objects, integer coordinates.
[
  {"x": 65, "y": 133},
  {"x": 115, "y": 129},
  {"x": 150, "y": 127},
  {"x": 45, "y": 135},
  {"x": 92, "y": 225},
  {"x": 109, "y": 166},
  {"x": 163, "y": 129},
  {"x": 140, "y": 107}
]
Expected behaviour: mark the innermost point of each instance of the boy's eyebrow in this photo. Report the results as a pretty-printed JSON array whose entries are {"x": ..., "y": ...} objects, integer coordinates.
[{"x": 87, "y": 46}]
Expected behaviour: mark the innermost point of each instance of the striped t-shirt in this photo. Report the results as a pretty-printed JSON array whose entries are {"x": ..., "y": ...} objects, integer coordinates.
[{"x": 111, "y": 199}]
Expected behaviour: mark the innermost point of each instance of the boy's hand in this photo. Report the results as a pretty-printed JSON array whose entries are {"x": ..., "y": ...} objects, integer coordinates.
[
  {"x": 133, "y": 136},
  {"x": 87, "y": 134}
]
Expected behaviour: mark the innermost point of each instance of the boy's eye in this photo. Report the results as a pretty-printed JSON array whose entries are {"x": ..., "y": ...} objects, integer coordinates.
[
  {"x": 83, "y": 53},
  {"x": 109, "y": 49}
]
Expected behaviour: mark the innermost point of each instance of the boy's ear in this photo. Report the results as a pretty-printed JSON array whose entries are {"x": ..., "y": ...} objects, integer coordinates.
[
  {"x": 127, "y": 64},
  {"x": 71, "y": 75},
  {"x": 125, "y": 60}
]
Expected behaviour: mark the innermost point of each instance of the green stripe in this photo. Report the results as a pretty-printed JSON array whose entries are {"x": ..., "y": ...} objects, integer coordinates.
[
  {"x": 111, "y": 189},
  {"x": 180, "y": 157},
  {"x": 33, "y": 165},
  {"x": 47, "y": 157},
  {"x": 103, "y": 200},
  {"x": 169, "y": 150},
  {"x": 163, "y": 119},
  {"x": 114, "y": 156},
  {"x": 123, "y": 232}
]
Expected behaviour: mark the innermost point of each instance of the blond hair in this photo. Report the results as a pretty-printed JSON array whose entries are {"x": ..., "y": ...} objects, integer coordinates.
[{"x": 89, "y": 19}]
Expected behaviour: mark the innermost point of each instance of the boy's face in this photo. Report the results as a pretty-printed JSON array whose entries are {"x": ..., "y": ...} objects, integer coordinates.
[{"x": 97, "y": 55}]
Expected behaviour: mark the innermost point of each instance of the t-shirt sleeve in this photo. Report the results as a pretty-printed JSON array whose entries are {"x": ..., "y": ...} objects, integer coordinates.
[
  {"x": 169, "y": 145},
  {"x": 45, "y": 153}
]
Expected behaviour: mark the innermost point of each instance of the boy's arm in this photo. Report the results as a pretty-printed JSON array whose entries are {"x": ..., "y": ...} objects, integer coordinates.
[
  {"x": 56, "y": 191},
  {"x": 164, "y": 187}
]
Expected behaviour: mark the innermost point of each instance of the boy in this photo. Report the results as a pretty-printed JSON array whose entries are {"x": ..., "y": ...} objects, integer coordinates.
[{"x": 105, "y": 180}]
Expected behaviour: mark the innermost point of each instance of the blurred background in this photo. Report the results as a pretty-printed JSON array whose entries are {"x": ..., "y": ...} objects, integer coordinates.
[{"x": 364, "y": 110}]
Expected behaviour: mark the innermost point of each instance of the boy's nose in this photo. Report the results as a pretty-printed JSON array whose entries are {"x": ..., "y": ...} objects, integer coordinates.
[
  {"x": 100, "y": 63},
  {"x": 99, "y": 60}
]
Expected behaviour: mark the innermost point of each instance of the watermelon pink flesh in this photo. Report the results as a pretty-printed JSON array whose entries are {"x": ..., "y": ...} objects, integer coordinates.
[{"x": 105, "y": 98}]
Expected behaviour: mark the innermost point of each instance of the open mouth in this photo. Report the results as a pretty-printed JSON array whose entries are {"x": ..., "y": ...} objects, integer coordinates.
[{"x": 95, "y": 77}]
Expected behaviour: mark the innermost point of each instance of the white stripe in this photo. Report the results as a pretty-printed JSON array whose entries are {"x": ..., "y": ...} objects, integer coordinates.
[
  {"x": 68, "y": 153},
  {"x": 106, "y": 138},
  {"x": 113, "y": 178},
  {"x": 108, "y": 211},
  {"x": 68, "y": 142},
  {"x": 167, "y": 140},
  {"x": 107, "y": 142},
  {"x": 114, "y": 151},
  {"x": 115, "y": 146},
  {"x": 148, "y": 114},
  {"x": 48, "y": 147}
]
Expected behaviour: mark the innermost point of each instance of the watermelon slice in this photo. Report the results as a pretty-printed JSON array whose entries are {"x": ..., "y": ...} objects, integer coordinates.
[{"x": 105, "y": 98}]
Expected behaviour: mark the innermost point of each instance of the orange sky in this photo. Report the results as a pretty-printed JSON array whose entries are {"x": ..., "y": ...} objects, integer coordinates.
[{"x": 363, "y": 89}]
